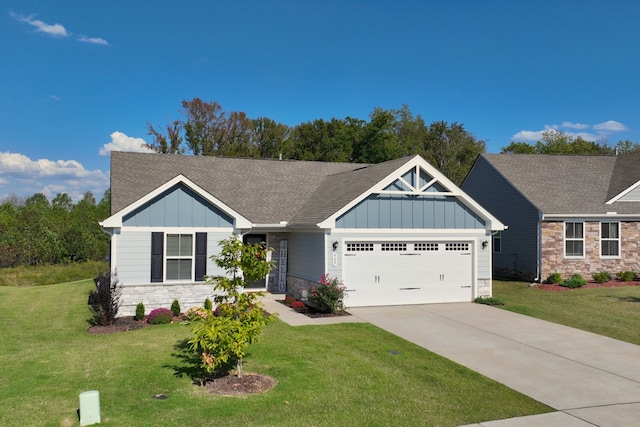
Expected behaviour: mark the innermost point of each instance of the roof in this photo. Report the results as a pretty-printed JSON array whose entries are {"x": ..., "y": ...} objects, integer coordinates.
[
  {"x": 568, "y": 184},
  {"x": 272, "y": 190}
]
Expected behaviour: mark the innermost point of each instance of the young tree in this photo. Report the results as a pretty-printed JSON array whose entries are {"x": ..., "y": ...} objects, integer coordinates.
[{"x": 223, "y": 336}]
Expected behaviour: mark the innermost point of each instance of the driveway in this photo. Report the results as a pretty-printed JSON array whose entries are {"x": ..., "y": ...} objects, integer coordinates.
[{"x": 590, "y": 379}]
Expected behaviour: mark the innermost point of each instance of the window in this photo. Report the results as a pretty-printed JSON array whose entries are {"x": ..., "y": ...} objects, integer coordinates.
[
  {"x": 179, "y": 256},
  {"x": 497, "y": 242},
  {"x": 609, "y": 239},
  {"x": 456, "y": 247},
  {"x": 574, "y": 239}
]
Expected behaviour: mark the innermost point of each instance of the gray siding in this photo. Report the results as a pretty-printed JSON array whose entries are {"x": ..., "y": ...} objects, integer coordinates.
[
  {"x": 306, "y": 255},
  {"x": 631, "y": 196},
  {"x": 409, "y": 212},
  {"x": 178, "y": 207},
  {"x": 133, "y": 251},
  {"x": 520, "y": 241}
]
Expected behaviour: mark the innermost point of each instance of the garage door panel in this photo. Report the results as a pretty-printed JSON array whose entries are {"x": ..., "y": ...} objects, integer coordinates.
[{"x": 408, "y": 273}]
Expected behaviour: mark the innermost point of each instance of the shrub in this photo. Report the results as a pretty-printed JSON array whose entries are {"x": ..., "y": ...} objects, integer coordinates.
[
  {"x": 160, "y": 316},
  {"x": 297, "y": 305},
  {"x": 626, "y": 276},
  {"x": 601, "y": 277},
  {"x": 554, "y": 279},
  {"x": 194, "y": 314},
  {"x": 328, "y": 297},
  {"x": 140, "y": 311},
  {"x": 175, "y": 307},
  {"x": 288, "y": 300},
  {"x": 223, "y": 309},
  {"x": 104, "y": 301},
  {"x": 208, "y": 305},
  {"x": 575, "y": 281},
  {"x": 488, "y": 301}
]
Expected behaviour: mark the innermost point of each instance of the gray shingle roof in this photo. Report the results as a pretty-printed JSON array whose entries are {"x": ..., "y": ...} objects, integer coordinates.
[
  {"x": 263, "y": 191},
  {"x": 559, "y": 184}
]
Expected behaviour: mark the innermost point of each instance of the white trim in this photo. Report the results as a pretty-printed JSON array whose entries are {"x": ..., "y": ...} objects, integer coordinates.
[
  {"x": 418, "y": 162},
  {"x": 590, "y": 217},
  {"x": 166, "y": 257},
  {"x": 624, "y": 193},
  {"x": 174, "y": 230},
  {"x": 573, "y": 239},
  {"x": 116, "y": 220},
  {"x": 411, "y": 231},
  {"x": 618, "y": 239}
]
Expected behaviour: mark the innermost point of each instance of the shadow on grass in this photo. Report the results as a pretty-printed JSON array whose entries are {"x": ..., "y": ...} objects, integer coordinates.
[
  {"x": 189, "y": 364},
  {"x": 627, "y": 299}
]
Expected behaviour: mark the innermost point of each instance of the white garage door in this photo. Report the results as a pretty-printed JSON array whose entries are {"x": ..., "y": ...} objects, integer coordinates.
[{"x": 388, "y": 273}]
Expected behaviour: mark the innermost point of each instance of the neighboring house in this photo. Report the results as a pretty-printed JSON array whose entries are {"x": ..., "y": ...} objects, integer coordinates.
[
  {"x": 397, "y": 232},
  {"x": 566, "y": 214}
]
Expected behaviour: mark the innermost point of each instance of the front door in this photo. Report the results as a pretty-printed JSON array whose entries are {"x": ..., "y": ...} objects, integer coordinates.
[{"x": 260, "y": 239}]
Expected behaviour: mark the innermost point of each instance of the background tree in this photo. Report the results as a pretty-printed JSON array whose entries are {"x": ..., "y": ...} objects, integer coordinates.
[{"x": 555, "y": 142}]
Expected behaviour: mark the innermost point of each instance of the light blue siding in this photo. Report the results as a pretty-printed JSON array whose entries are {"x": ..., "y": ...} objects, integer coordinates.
[
  {"x": 410, "y": 212},
  {"x": 178, "y": 207},
  {"x": 133, "y": 251},
  {"x": 306, "y": 255}
]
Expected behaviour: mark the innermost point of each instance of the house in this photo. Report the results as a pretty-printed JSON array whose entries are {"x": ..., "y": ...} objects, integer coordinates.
[
  {"x": 397, "y": 232},
  {"x": 566, "y": 214}
]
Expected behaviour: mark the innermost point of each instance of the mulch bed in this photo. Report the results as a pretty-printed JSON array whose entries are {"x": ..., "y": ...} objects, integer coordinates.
[
  {"x": 124, "y": 324},
  {"x": 314, "y": 313},
  {"x": 592, "y": 284},
  {"x": 232, "y": 385}
]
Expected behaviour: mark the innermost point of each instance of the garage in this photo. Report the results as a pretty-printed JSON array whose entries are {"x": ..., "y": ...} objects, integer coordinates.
[{"x": 407, "y": 272}]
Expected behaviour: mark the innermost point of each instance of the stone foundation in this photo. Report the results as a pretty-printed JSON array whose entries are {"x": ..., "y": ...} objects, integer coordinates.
[
  {"x": 483, "y": 288},
  {"x": 295, "y": 286},
  {"x": 161, "y": 295}
]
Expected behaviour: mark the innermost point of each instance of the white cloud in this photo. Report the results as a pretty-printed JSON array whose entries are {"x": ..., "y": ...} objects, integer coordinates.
[
  {"x": 93, "y": 40},
  {"x": 610, "y": 126},
  {"x": 122, "y": 142},
  {"x": 56, "y": 29},
  {"x": 24, "y": 176},
  {"x": 602, "y": 131}
]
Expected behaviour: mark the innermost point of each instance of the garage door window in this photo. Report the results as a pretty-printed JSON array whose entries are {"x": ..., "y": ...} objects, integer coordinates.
[
  {"x": 394, "y": 247},
  {"x": 425, "y": 246},
  {"x": 456, "y": 247},
  {"x": 359, "y": 247}
]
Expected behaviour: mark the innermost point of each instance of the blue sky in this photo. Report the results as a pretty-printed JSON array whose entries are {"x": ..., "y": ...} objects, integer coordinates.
[{"x": 81, "y": 78}]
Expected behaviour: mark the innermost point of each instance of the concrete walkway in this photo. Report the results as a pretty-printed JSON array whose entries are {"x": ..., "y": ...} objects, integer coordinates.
[{"x": 590, "y": 379}]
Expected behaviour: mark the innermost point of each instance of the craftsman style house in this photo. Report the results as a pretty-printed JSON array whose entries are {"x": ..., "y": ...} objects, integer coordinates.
[
  {"x": 566, "y": 214},
  {"x": 397, "y": 232}
]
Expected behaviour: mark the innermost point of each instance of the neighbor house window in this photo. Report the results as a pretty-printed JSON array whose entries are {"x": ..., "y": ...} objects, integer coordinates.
[
  {"x": 574, "y": 239},
  {"x": 179, "y": 256},
  {"x": 610, "y": 239},
  {"x": 497, "y": 241}
]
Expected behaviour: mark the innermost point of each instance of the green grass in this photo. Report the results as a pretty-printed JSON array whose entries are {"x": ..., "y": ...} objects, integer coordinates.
[
  {"x": 51, "y": 274},
  {"x": 613, "y": 312},
  {"x": 346, "y": 374}
]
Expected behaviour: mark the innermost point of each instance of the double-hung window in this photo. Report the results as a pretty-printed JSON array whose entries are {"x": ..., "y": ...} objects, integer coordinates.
[
  {"x": 179, "y": 256},
  {"x": 610, "y": 239},
  {"x": 574, "y": 239}
]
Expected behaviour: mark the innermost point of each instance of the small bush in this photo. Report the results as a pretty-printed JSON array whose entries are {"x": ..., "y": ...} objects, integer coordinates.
[
  {"x": 105, "y": 300},
  {"x": 288, "y": 300},
  {"x": 601, "y": 277},
  {"x": 208, "y": 305},
  {"x": 575, "y": 281},
  {"x": 327, "y": 297},
  {"x": 626, "y": 276},
  {"x": 297, "y": 305},
  {"x": 554, "y": 279},
  {"x": 488, "y": 301},
  {"x": 140, "y": 311},
  {"x": 195, "y": 313},
  {"x": 160, "y": 316},
  {"x": 175, "y": 307},
  {"x": 223, "y": 309}
]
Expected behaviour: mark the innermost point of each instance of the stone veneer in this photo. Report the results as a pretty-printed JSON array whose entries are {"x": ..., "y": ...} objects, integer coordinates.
[
  {"x": 156, "y": 295},
  {"x": 295, "y": 286},
  {"x": 553, "y": 260}
]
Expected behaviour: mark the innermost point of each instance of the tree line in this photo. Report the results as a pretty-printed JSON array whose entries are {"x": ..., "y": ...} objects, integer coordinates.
[
  {"x": 37, "y": 231},
  {"x": 207, "y": 130}
]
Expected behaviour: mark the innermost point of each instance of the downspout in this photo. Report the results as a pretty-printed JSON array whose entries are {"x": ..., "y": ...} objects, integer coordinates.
[{"x": 539, "y": 279}]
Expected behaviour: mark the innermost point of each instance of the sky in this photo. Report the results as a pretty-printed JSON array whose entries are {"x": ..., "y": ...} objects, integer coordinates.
[{"x": 82, "y": 78}]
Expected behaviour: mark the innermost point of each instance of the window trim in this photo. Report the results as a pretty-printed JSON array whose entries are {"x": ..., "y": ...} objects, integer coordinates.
[
  {"x": 497, "y": 237},
  {"x": 168, "y": 257},
  {"x": 573, "y": 239},
  {"x": 609, "y": 239}
]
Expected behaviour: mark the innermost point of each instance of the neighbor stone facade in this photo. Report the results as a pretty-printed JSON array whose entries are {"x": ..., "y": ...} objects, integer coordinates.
[{"x": 554, "y": 261}]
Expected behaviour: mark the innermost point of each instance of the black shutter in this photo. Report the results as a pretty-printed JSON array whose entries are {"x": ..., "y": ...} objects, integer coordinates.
[
  {"x": 157, "y": 247},
  {"x": 201, "y": 256}
]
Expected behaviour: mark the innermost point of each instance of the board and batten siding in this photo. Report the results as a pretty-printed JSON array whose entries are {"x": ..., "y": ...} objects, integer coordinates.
[
  {"x": 519, "y": 251},
  {"x": 178, "y": 207},
  {"x": 410, "y": 212},
  {"x": 306, "y": 254}
]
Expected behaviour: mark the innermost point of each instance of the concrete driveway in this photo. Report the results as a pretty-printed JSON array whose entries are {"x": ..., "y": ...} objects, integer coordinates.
[{"x": 590, "y": 379}]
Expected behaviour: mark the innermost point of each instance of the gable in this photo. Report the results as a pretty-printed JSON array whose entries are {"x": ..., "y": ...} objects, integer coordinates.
[
  {"x": 178, "y": 206},
  {"x": 415, "y": 195}
]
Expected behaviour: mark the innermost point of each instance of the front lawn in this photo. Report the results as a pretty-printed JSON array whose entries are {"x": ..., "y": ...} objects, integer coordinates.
[
  {"x": 346, "y": 374},
  {"x": 614, "y": 312}
]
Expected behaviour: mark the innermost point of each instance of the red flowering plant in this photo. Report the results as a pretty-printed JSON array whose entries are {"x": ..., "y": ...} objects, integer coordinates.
[
  {"x": 297, "y": 305},
  {"x": 328, "y": 296}
]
